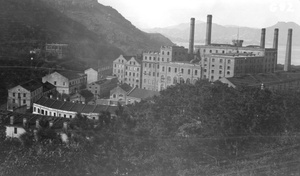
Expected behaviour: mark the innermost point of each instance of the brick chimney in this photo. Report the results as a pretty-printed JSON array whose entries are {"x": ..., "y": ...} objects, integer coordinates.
[
  {"x": 208, "y": 30},
  {"x": 288, "y": 55},
  {"x": 263, "y": 38},
  {"x": 192, "y": 33},
  {"x": 275, "y": 40}
]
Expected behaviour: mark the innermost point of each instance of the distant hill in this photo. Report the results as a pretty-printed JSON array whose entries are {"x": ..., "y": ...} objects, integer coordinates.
[
  {"x": 224, "y": 34},
  {"x": 109, "y": 23},
  {"x": 93, "y": 31}
]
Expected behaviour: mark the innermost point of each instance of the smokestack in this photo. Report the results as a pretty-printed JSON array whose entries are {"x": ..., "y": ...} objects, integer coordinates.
[
  {"x": 208, "y": 30},
  {"x": 275, "y": 41},
  {"x": 275, "y": 46},
  {"x": 192, "y": 33},
  {"x": 263, "y": 38},
  {"x": 288, "y": 54}
]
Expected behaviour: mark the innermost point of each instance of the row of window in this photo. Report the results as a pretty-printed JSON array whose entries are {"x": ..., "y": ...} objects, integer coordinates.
[
  {"x": 14, "y": 101},
  {"x": 220, "y": 60},
  {"x": 19, "y": 94},
  {"x": 133, "y": 74},
  {"x": 181, "y": 71}
]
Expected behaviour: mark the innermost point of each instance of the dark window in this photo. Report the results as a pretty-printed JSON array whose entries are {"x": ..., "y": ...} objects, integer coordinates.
[
  {"x": 24, "y": 95},
  {"x": 15, "y": 130}
]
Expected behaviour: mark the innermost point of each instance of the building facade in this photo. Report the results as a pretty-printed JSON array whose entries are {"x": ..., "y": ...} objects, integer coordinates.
[
  {"x": 51, "y": 107},
  {"x": 66, "y": 82},
  {"x": 24, "y": 94},
  {"x": 178, "y": 72},
  {"x": 57, "y": 49},
  {"x": 128, "y": 70},
  {"x": 92, "y": 75},
  {"x": 102, "y": 87}
]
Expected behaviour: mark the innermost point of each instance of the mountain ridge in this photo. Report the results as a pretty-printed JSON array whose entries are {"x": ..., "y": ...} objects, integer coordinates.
[{"x": 224, "y": 34}]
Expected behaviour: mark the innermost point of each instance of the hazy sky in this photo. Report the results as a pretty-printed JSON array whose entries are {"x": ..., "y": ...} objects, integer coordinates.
[{"x": 163, "y": 13}]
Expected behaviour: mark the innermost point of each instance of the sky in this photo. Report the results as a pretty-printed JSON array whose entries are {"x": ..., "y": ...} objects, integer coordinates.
[{"x": 163, "y": 13}]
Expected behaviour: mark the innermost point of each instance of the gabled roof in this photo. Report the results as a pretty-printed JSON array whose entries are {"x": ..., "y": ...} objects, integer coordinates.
[
  {"x": 129, "y": 57},
  {"x": 69, "y": 74},
  {"x": 125, "y": 87},
  {"x": 31, "y": 85},
  {"x": 142, "y": 93},
  {"x": 48, "y": 86}
]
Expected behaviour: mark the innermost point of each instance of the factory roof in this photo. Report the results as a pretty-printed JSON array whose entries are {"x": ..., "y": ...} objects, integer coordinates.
[
  {"x": 73, "y": 107},
  {"x": 142, "y": 93}
]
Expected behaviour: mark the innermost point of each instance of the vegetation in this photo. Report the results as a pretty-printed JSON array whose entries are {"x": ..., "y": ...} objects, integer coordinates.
[{"x": 202, "y": 129}]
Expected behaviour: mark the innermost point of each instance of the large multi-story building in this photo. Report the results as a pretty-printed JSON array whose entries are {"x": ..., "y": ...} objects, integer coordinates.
[
  {"x": 66, "y": 82},
  {"x": 128, "y": 70},
  {"x": 24, "y": 94},
  {"x": 172, "y": 73},
  {"x": 243, "y": 59},
  {"x": 150, "y": 74}
]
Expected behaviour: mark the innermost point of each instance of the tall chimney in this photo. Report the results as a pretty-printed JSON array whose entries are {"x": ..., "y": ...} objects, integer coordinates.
[
  {"x": 288, "y": 54},
  {"x": 192, "y": 33},
  {"x": 275, "y": 41},
  {"x": 263, "y": 38},
  {"x": 275, "y": 46},
  {"x": 208, "y": 30}
]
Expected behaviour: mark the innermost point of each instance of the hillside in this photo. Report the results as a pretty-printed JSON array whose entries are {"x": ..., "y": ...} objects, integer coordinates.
[
  {"x": 108, "y": 22},
  {"x": 29, "y": 24},
  {"x": 224, "y": 34}
]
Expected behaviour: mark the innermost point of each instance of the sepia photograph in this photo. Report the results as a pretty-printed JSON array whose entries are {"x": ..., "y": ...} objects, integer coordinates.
[{"x": 149, "y": 88}]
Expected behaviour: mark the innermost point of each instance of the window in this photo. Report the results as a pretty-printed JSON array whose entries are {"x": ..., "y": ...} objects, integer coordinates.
[
  {"x": 175, "y": 70},
  {"x": 229, "y": 61},
  {"x": 221, "y": 60},
  {"x": 14, "y": 94},
  {"x": 54, "y": 82},
  {"x": 196, "y": 72},
  {"x": 15, "y": 130},
  {"x": 228, "y": 67},
  {"x": 145, "y": 57},
  {"x": 169, "y": 69},
  {"x": 24, "y": 101},
  {"x": 65, "y": 115},
  {"x": 14, "y": 101},
  {"x": 228, "y": 73},
  {"x": 64, "y": 83},
  {"x": 212, "y": 71},
  {"x": 153, "y": 73},
  {"x": 70, "y": 116},
  {"x": 168, "y": 53},
  {"x": 24, "y": 95},
  {"x": 114, "y": 95},
  {"x": 34, "y": 109},
  {"x": 213, "y": 60},
  {"x": 163, "y": 68},
  {"x": 150, "y": 58},
  {"x": 220, "y": 72},
  {"x": 189, "y": 71},
  {"x": 182, "y": 70}
]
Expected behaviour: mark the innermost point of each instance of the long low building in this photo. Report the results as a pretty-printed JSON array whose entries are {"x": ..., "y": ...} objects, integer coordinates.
[
  {"x": 274, "y": 81},
  {"x": 52, "y": 107}
]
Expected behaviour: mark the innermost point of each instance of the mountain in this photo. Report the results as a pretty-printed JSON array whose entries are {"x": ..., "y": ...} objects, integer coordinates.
[
  {"x": 93, "y": 31},
  {"x": 224, "y": 34},
  {"x": 108, "y": 22}
]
